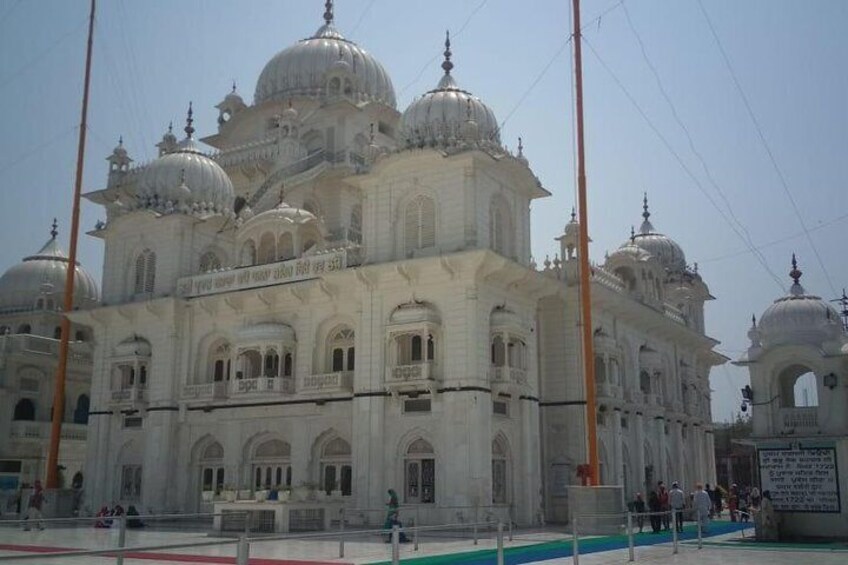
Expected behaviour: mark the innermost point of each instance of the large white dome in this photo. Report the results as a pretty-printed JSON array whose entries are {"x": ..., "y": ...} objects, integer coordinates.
[
  {"x": 43, "y": 276},
  {"x": 303, "y": 69},
  {"x": 665, "y": 249},
  {"x": 448, "y": 115},
  {"x": 186, "y": 180}
]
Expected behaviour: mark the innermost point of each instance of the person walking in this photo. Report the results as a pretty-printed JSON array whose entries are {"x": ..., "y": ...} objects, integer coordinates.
[
  {"x": 392, "y": 516},
  {"x": 677, "y": 500},
  {"x": 662, "y": 492},
  {"x": 718, "y": 501},
  {"x": 638, "y": 508},
  {"x": 654, "y": 509},
  {"x": 36, "y": 501},
  {"x": 703, "y": 506}
]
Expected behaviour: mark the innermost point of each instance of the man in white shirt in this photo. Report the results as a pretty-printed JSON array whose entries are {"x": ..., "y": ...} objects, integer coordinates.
[
  {"x": 676, "y": 499},
  {"x": 702, "y": 504}
]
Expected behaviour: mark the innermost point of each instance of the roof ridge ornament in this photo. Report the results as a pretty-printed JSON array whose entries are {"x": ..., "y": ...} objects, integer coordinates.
[
  {"x": 447, "y": 65},
  {"x": 795, "y": 273},
  {"x": 53, "y": 231},
  {"x": 328, "y": 12},
  {"x": 189, "y": 129}
]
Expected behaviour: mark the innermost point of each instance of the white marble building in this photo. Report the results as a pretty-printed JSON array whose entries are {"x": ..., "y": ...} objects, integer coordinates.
[
  {"x": 31, "y": 300},
  {"x": 342, "y": 294},
  {"x": 798, "y": 362}
]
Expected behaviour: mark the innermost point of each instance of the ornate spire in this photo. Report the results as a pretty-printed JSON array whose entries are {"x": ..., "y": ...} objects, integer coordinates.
[
  {"x": 795, "y": 274},
  {"x": 234, "y": 86},
  {"x": 53, "y": 231},
  {"x": 646, "y": 226},
  {"x": 171, "y": 127},
  {"x": 189, "y": 120},
  {"x": 328, "y": 12},
  {"x": 121, "y": 141},
  {"x": 447, "y": 65},
  {"x": 573, "y": 214},
  {"x": 632, "y": 234},
  {"x": 753, "y": 320}
]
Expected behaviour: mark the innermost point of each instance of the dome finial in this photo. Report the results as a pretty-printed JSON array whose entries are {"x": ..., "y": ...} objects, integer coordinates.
[
  {"x": 189, "y": 120},
  {"x": 328, "y": 12},
  {"x": 121, "y": 141},
  {"x": 753, "y": 320},
  {"x": 646, "y": 226},
  {"x": 53, "y": 231},
  {"x": 447, "y": 65},
  {"x": 573, "y": 214},
  {"x": 520, "y": 147},
  {"x": 234, "y": 86},
  {"x": 795, "y": 274},
  {"x": 632, "y": 234},
  {"x": 171, "y": 126}
]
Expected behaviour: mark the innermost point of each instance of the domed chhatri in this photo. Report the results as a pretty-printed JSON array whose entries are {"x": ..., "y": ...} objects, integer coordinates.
[
  {"x": 39, "y": 281},
  {"x": 185, "y": 180},
  {"x": 665, "y": 249},
  {"x": 799, "y": 318},
  {"x": 448, "y": 115},
  {"x": 304, "y": 69}
]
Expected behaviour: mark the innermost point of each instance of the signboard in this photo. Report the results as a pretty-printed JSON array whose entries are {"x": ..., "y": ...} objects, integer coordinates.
[
  {"x": 800, "y": 478},
  {"x": 262, "y": 275}
]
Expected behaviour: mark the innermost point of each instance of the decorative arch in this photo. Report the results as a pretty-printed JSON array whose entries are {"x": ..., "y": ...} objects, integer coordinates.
[
  {"x": 267, "y": 458},
  {"x": 24, "y": 410},
  {"x": 798, "y": 386},
  {"x": 81, "y": 410},
  {"x": 334, "y": 456},
  {"x": 247, "y": 257},
  {"x": 210, "y": 260},
  {"x": 419, "y": 224},
  {"x": 501, "y": 234},
  {"x": 129, "y": 467},
  {"x": 419, "y": 469},
  {"x": 145, "y": 272},
  {"x": 501, "y": 470}
]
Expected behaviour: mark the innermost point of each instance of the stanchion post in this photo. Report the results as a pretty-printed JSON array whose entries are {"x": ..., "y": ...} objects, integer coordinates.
[
  {"x": 243, "y": 551},
  {"x": 122, "y": 538},
  {"x": 341, "y": 531},
  {"x": 415, "y": 532},
  {"x": 510, "y": 527},
  {"x": 395, "y": 545},
  {"x": 500, "y": 544},
  {"x": 700, "y": 534},
  {"x": 630, "y": 551},
  {"x": 576, "y": 547},
  {"x": 474, "y": 530},
  {"x": 674, "y": 531}
]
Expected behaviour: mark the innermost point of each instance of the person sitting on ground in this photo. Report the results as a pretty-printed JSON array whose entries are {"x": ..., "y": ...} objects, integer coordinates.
[{"x": 131, "y": 521}]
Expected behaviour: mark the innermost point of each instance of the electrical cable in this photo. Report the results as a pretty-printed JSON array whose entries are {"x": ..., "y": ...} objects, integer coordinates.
[
  {"x": 25, "y": 155},
  {"x": 766, "y": 145},
  {"x": 362, "y": 17},
  {"x": 28, "y": 66},
  {"x": 688, "y": 135},
  {"x": 679, "y": 160}
]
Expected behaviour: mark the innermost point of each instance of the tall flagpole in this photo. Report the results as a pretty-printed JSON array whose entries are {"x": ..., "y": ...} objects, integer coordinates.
[
  {"x": 68, "y": 306},
  {"x": 585, "y": 290}
]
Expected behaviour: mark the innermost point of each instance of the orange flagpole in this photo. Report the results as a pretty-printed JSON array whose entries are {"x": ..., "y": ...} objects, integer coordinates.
[
  {"x": 68, "y": 306},
  {"x": 585, "y": 290}
]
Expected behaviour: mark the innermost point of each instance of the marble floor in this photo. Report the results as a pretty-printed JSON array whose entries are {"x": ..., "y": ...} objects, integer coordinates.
[{"x": 33, "y": 547}]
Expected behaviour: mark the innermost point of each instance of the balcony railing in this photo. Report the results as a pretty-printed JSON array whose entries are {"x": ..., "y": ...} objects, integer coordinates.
[
  {"x": 206, "y": 391},
  {"x": 42, "y": 430},
  {"x": 283, "y": 385},
  {"x": 415, "y": 373},
  {"x": 800, "y": 418},
  {"x": 341, "y": 381},
  {"x": 129, "y": 395},
  {"x": 507, "y": 375},
  {"x": 78, "y": 351}
]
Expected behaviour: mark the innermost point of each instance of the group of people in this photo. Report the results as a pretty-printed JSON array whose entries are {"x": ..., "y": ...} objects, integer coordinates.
[
  {"x": 106, "y": 516},
  {"x": 663, "y": 503},
  {"x": 741, "y": 501}
]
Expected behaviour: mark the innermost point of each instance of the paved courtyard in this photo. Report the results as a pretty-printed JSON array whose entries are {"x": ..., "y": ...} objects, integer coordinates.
[{"x": 537, "y": 546}]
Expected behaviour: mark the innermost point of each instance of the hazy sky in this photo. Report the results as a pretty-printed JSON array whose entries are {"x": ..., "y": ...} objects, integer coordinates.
[{"x": 153, "y": 56}]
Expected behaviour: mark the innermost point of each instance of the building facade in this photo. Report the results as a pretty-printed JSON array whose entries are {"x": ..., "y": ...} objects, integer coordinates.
[
  {"x": 341, "y": 296},
  {"x": 31, "y": 302}
]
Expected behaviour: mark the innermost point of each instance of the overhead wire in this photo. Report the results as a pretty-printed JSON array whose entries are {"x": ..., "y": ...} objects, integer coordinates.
[
  {"x": 675, "y": 114},
  {"x": 138, "y": 94},
  {"x": 30, "y": 152},
  {"x": 680, "y": 160},
  {"x": 766, "y": 145},
  {"x": 31, "y": 63},
  {"x": 439, "y": 54},
  {"x": 362, "y": 17}
]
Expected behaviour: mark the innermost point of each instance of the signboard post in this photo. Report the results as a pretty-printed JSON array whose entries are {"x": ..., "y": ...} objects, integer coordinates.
[{"x": 801, "y": 478}]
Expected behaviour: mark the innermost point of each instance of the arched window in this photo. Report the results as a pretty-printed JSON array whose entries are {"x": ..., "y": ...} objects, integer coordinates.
[
  {"x": 500, "y": 228},
  {"x": 419, "y": 473},
  {"x": 500, "y": 472},
  {"x": 57, "y": 332},
  {"x": 81, "y": 410},
  {"x": 219, "y": 361},
  {"x": 419, "y": 224},
  {"x": 600, "y": 369},
  {"x": 517, "y": 353},
  {"x": 248, "y": 254},
  {"x": 79, "y": 335},
  {"x": 798, "y": 387},
  {"x": 250, "y": 364},
  {"x": 145, "y": 272},
  {"x": 267, "y": 249},
  {"x": 335, "y": 86},
  {"x": 272, "y": 364},
  {"x": 212, "y": 473},
  {"x": 24, "y": 410},
  {"x": 271, "y": 464},
  {"x": 498, "y": 351},
  {"x": 645, "y": 382},
  {"x": 342, "y": 350},
  {"x": 412, "y": 349},
  {"x": 24, "y": 329},
  {"x": 209, "y": 261},
  {"x": 288, "y": 365},
  {"x": 336, "y": 470},
  {"x": 285, "y": 249}
]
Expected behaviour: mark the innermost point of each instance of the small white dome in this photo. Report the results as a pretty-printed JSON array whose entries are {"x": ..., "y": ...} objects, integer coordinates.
[
  {"x": 187, "y": 179},
  {"x": 281, "y": 213},
  {"x": 799, "y": 318},
  {"x": 300, "y": 70},
  {"x": 43, "y": 276},
  {"x": 665, "y": 249},
  {"x": 448, "y": 115},
  {"x": 628, "y": 252}
]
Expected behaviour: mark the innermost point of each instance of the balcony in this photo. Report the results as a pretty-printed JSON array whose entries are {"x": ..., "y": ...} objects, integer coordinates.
[
  {"x": 262, "y": 385},
  {"x": 78, "y": 352},
  {"x": 341, "y": 381},
  {"x": 41, "y": 431},
  {"x": 412, "y": 376},
  {"x": 129, "y": 396},
  {"x": 800, "y": 419},
  {"x": 508, "y": 375},
  {"x": 206, "y": 391}
]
